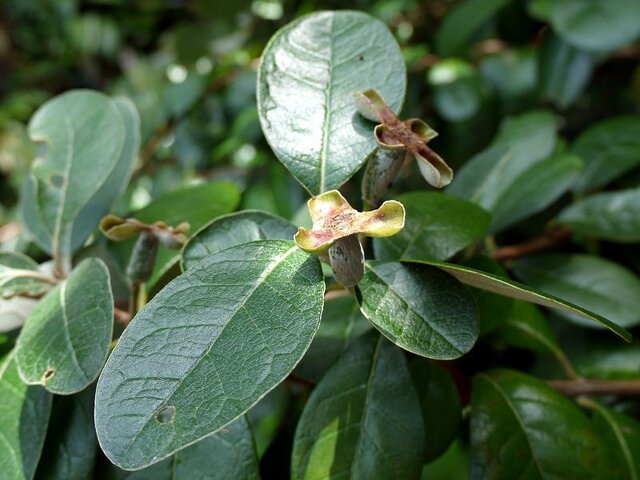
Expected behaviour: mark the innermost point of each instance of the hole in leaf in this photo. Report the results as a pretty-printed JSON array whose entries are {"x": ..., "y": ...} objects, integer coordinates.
[
  {"x": 48, "y": 374},
  {"x": 166, "y": 414},
  {"x": 57, "y": 180}
]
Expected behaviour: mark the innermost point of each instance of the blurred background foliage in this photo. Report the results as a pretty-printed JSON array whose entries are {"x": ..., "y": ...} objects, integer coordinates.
[{"x": 190, "y": 67}]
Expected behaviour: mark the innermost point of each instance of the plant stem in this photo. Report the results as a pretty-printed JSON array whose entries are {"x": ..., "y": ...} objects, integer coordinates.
[
  {"x": 590, "y": 386},
  {"x": 537, "y": 244}
]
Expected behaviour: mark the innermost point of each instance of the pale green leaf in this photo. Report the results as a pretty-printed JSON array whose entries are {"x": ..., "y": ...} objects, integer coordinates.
[
  {"x": 309, "y": 72},
  {"x": 24, "y": 415},
  {"x": 362, "y": 420},
  {"x": 204, "y": 350},
  {"x": 19, "y": 274},
  {"x": 419, "y": 308},
  {"x": 234, "y": 229},
  {"x": 65, "y": 342}
]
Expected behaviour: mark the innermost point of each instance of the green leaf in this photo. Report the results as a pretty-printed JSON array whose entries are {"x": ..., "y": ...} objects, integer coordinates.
[
  {"x": 564, "y": 71},
  {"x": 324, "y": 58},
  {"x": 419, "y": 308},
  {"x": 196, "y": 205},
  {"x": 341, "y": 323},
  {"x": 621, "y": 434},
  {"x": 535, "y": 189},
  {"x": 436, "y": 227},
  {"x": 512, "y": 289},
  {"x": 522, "y": 142},
  {"x": 227, "y": 454},
  {"x": 234, "y": 229},
  {"x": 19, "y": 274},
  {"x": 65, "y": 342},
  {"x": 609, "y": 149},
  {"x": 596, "y": 284},
  {"x": 440, "y": 405},
  {"x": 454, "y": 463},
  {"x": 24, "y": 415},
  {"x": 115, "y": 184},
  {"x": 463, "y": 22},
  {"x": 211, "y": 344},
  {"x": 84, "y": 135},
  {"x": 597, "y": 25},
  {"x": 70, "y": 447},
  {"x": 611, "y": 216},
  {"x": 527, "y": 328},
  {"x": 522, "y": 428},
  {"x": 605, "y": 358},
  {"x": 493, "y": 310},
  {"x": 362, "y": 420}
]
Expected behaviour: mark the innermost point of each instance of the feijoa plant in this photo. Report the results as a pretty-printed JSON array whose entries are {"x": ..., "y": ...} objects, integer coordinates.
[{"x": 364, "y": 306}]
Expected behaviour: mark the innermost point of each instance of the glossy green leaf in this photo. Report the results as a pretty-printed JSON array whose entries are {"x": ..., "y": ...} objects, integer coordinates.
[
  {"x": 70, "y": 448},
  {"x": 463, "y": 22},
  {"x": 211, "y": 344},
  {"x": 596, "y": 357},
  {"x": 65, "y": 343},
  {"x": 564, "y": 71},
  {"x": 419, "y": 308},
  {"x": 225, "y": 455},
  {"x": 341, "y": 323},
  {"x": 493, "y": 309},
  {"x": 454, "y": 463},
  {"x": 24, "y": 415},
  {"x": 621, "y": 434},
  {"x": 512, "y": 289},
  {"x": 362, "y": 420},
  {"x": 196, "y": 205},
  {"x": 15, "y": 275},
  {"x": 235, "y": 229},
  {"x": 597, "y": 25},
  {"x": 526, "y": 328},
  {"x": 609, "y": 149},
  {"x": 596, "y": 284},
  {"x": 535, "y": 189},
  {"x": 611, "y": 216},
  {"x": 522, "y": 428},
  {"x": 324, "y": 58},
  {"x": 437, "y": 226},
  {"x": 83, "y": 135},
  {"x": 522, "y": 142},
  {"x": 440, "y": 405}
]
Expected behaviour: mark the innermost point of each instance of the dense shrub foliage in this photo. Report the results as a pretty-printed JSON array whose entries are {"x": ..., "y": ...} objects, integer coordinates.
[{"x": 268, "y": 239}]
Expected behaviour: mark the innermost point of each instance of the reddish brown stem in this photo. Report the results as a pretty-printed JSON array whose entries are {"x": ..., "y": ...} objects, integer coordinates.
[{"x": 537, "y": 244}]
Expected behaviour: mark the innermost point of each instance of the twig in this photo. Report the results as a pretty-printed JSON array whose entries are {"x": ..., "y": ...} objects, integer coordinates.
[
  {"x": 590, "y": 386},
  {"x": 537, "y": 244}
]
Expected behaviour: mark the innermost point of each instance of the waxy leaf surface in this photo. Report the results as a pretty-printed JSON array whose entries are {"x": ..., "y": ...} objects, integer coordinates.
[
  {"x": 362, "y": 420},
  {"x": 211, "y": 344},
  {"x": 309, "y": 72},
  {"x": 65, "y": 342},
  {"x": 419, "y": 308}
]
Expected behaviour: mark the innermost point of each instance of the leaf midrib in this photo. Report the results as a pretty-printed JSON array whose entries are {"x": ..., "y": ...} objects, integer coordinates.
[{"x": 327, "y": 116}]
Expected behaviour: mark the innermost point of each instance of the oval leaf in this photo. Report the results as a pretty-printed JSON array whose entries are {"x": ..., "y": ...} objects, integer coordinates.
[
  {"x": 594, "y": 283},
  {"x": 24, "y": 415},
  {"x": 364, "y": 416},
  {"x": 225, "y": 455},
  {"x": 324, "y": 58},
  {"x": 611, "y": 216},
  {"x": 522, "y": 428},
  {"x": 211, "y": 344},
  {"x": 510, "y": 288},
  {"x": 84, "y": 134},
  {"x": 65, "y": 342},
  {"x": 19, "y": 274},
  {"x": 436, "y": 227},
  {"x": 420, "y": 309},
  {"x": 235, "y": 229}
]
